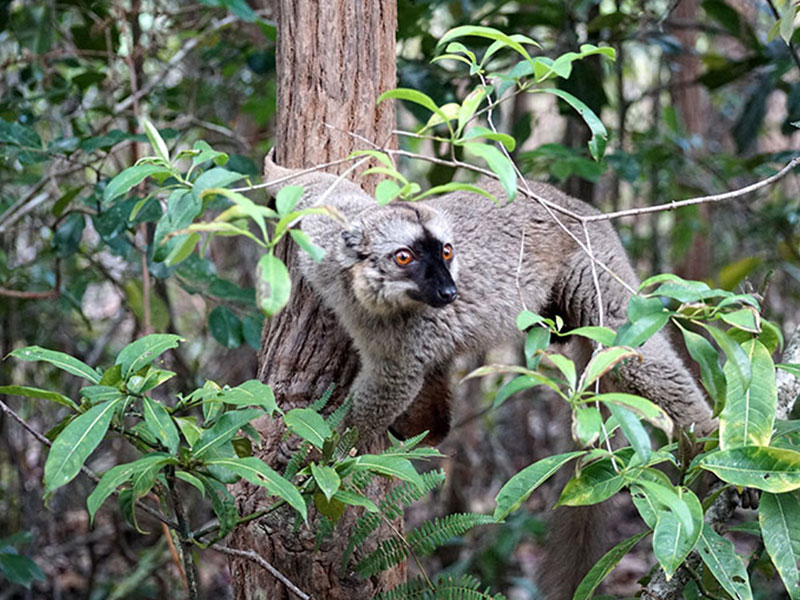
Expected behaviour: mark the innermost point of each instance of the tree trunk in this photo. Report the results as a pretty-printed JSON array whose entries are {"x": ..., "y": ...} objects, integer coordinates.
[{"x": 334, "y": 58}]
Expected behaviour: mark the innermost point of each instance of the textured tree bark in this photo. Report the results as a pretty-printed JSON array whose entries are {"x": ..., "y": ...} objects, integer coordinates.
[{"x": 334, "y": 59}]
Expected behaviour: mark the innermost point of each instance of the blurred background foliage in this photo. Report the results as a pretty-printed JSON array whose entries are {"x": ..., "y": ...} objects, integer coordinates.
[{"x": 703, "y": 98}]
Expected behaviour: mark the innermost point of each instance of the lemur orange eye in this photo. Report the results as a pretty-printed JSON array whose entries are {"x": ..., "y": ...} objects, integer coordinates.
[
  {"x": 403, "y": 257},
  {"x": 447, "y": 252}
]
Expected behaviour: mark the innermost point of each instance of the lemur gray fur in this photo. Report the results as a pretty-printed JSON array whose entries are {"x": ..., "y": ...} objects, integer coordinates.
[{"x": 417, "y": 284}]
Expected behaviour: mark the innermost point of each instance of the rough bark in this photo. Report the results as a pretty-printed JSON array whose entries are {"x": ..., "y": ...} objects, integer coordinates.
[{"x": 334, "y": 59}]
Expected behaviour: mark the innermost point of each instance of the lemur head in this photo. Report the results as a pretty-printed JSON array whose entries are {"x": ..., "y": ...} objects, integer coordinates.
[{"x": 400, "y": 257}]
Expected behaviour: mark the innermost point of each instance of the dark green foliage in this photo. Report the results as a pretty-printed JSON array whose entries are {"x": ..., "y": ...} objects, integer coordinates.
[{"x": 463, "y": 587}]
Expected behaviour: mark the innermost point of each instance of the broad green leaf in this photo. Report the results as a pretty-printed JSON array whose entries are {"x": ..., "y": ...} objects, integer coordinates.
[
  {"x": 144, "y": 351},
  {"x": 256, "y": 471},
  {"x": 191, "y": 432},
  {"x": 480, "y": 132},
  {"x": 130, "y": 177},
  {"x": 355, "y": 500},
  {"x": 287, "y": 198},
  {"x": 308, "y": 424},
  {"x": 746, "y": 319},
  {"x": 587, "y": 424},
  {"x": 224, "y": 429},
  {"x": 416, "y": 97},
  {"x": 392, "y": 466},
  {"x": 749, "y": 413},
  {"x": 302, "y": 239},
  {"x": 32, "y": 392},
  {"x": 595, "y": 483},
  {"x": 721, "y": 560},
  {"x": 537, "y": 340},
  {"x": 206, "y": 153},
  {"x": 386, "y": 191},
  {"x": 517, "y": 489},
  {"x": 635, "y": 433},
  {"x": 672, "y": 539},
  {"x": 567, "y": 368},
  {"x": 735, "y": 354},
  {"x": 488, "y": 33},
  {"x": 191, "y": 480},
  {"x": 779, "y": 516},
  {"x": 327, "y": 479},
  {"x": 603, "y": 335},
  {"x": 222, "y": 503},
  {"x": 19, "y": 569},
  {"x": 638, "y": 332},
  {"x": 156, "y": 141},
  {"x": 775, "y": 470},
  {"x": 602, "y": 362},
  {"x": 604, "y": 566},
  {"x": 115, "y": 477},
  {"x": 75, "y": 443},
  {"x": 65, "y": 362},
  {"x": 213, "y": 179},
  {"x": 251, "y": 393},
  {"x": 225, "y": 327},
  {"x": 711, "y": 373},
  {"x": 653, "y": 414},
  {"x": 518, "y": 384},
  {"x": 161, "y": 424},
  {"x": 381, "y": 157},
  {"x": 450, "y": 111},
  {"x": 597, "y": 145},
  {"x": 469, "y": 106},
  {"x": 789, "y": 368},
  {"x": 498, "y": 163},
  {"x": 273, "y": 284}
]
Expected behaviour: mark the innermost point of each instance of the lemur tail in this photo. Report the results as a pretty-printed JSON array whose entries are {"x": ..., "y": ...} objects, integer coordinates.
[{"x": 575, "y": 543}]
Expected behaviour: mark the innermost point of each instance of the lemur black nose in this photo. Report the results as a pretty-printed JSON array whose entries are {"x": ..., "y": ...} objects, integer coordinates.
[{"x": 447, "y": 294}]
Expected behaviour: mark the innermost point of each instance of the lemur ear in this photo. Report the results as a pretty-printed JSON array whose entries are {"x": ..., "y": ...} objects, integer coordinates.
[{"x": 354, "y": 244}]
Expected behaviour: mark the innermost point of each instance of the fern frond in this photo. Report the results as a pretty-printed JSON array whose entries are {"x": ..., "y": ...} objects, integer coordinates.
[
  {"x": 432, "y": 534},
  {"x": 422, "y": 540},
  {"x": 392, "y": 506},
  {"x": 335, "y": 418},
  {"x": 463, "y": 587},
  {"x": 325, "y": 528},
  {"x": 322, "y": 401}
]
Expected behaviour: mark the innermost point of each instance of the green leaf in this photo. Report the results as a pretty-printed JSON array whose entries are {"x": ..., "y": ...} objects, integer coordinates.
[
  {"x": 488, "y": 33},
  {"x": 327, "y": 479},
  {"x": 602, "y": 362},
  {"x": 386, "y": 191},
  {"x": 498, "y": 163},
  {"x": 130, "y": 177},
  {"x": 251, "y": 393},
  {"x": 775, "y": 470},
  {"x": 673, "y": 539},
  {"x": 191, "y": 432},
  {"x": 32, "y": 392},
  {"x": 222, "y": 503},
  {"x": 469, "y": 106},
  {"x": 308, "y": 424},
  {"x": 257, "y": 472},
  {"x": 65, "y": 362},
  {"x": 207, "y": 153},
  {"x": 355, "y": 500},
  {"x": 604, "y": 566},
  {"x": 789, "y": 368},
  {"x": 273, "y": 284},
  {"x": 587, "y": 424},
  {"x": 634, "y": 431},
  {"x": 224, "y": 429},
  {"x": 20, "y": 569},
  {"x": 156, "y": 141},
  {"x": 519, "y": 488},
  {"x": 721, "y": 560},
  {"x": 302, "y": 239},
  {"x": 416, "y": 97},
  {"x": 392, "y": 466},
  {"x": 639, "y": 331},
  {"x": 567, "y": 368},
  {"x": 518, "y": 384},
  {"x": 707, "y": 358},
  {"x": 479, "y": 132},
  {"x": 144, "y": 351},
  {"x": 595, "y": 483},
  {"x": 161, "y": 424},
  {"x": 454, "y": 186},
  {"x": 602, "y": 335},
  {"x": 779, "y": 515},
  {"x": 75, "y": 443},
  {"x": 653, "y": 414},
  {"x": 225, "y": 327},
  {"x": 735, "y": 354},
  {"x": 287, "y": 198},
  {"x": 747, "y": 319},
  {"x": 116, "y": 476},
  {"x": 216, "y": 178},
  {"x": 749, "y": 414},
  {"x": 191, "y": 480},
  {"x": 597, "y": 145}
]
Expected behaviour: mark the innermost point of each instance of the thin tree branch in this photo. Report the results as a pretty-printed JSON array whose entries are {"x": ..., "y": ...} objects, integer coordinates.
[{"x": 261, "y": 561}]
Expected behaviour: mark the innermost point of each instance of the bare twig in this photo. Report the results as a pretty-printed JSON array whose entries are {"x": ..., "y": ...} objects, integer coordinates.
[
  {"x": 261, "y": 561},
  {"x": 47, "y": 295}
]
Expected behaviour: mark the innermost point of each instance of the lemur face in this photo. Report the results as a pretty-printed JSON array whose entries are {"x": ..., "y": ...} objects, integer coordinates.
[{"x": 406, "y": 261}]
